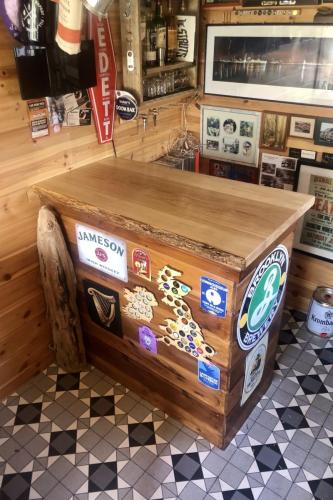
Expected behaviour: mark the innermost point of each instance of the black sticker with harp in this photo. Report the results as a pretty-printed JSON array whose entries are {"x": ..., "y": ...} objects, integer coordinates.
[{"x": 103, "y": 306}]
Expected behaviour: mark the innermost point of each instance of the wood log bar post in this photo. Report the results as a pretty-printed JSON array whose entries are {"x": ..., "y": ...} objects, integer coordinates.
[{"x": 59, "y": 284}]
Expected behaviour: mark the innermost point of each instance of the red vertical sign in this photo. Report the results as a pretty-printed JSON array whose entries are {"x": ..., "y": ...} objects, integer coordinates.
[{"x": 103, "y": 95}]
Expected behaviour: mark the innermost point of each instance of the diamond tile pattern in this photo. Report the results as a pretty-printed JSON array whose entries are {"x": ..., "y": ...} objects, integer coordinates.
[{"x": 85, "y": 437}]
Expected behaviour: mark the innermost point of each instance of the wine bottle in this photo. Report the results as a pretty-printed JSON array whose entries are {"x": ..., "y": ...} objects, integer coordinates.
[
  {"x": 150, "y": 41},
  {"x": 160, "y": 26},
  {"x": 171, "y": 35}
]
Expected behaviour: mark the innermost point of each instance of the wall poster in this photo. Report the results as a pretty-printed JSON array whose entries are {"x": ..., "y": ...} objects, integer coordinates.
[
  {"x": 314, "y": 233},
  {"x": 230, "y": 134}
]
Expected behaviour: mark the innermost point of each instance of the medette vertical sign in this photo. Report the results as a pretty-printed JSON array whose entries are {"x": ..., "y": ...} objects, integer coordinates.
[{"x": 103, "y": 95}]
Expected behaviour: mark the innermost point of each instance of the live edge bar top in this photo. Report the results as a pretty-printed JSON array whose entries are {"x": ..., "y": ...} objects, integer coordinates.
[{"x": 225, "y": 221}]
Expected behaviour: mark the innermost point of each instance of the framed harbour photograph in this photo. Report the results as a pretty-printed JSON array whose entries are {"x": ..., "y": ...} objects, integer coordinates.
[
  {"x": 230, "y": 134},
  {"x": 274, "y": 131},
  {"x": 302, "y": 126},
  {"x": 323, "y": 134},
  {"x": 314, "y": 233},
  {"x": 276, "y": 62},
  {"x": 278, "y": 171}
]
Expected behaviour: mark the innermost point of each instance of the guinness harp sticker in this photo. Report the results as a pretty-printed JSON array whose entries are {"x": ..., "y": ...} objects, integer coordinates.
[
  {"x": 141, "y": 263},
  {"x": 104, "y": 252},
  {"x": 103, "y": 306},
  {"x": 262, "y": 298},
  {"x": 254, "y": 368}
]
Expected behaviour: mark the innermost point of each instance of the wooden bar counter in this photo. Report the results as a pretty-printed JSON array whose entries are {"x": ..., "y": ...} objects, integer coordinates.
[{"x": 181, "y": 281}]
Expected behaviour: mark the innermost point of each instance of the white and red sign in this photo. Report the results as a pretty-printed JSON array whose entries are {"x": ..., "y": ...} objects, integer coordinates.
[
  {"x": 103, "y": 251},
  {"x": 103, "y": 95}
]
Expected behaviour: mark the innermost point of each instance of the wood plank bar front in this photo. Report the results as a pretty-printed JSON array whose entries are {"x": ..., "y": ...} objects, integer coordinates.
[{"x": 220, "y": 234}]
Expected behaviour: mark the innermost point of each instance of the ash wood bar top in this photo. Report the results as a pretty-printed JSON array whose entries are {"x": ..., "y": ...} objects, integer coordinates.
[{"x": 222, "y": 220}]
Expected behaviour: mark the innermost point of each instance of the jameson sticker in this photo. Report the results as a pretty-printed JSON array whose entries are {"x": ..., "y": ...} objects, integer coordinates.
[
  {"x": 104, "y": 252},
  {"x": 262, "y": 298},
  {"x": 254, "y": 368}
]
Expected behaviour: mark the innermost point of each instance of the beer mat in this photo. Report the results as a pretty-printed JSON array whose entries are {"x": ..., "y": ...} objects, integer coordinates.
[{"x": 38, "y": 118}]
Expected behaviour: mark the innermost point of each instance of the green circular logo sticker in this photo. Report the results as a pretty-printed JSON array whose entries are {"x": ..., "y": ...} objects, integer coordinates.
[{"x": 262, "y": 298}]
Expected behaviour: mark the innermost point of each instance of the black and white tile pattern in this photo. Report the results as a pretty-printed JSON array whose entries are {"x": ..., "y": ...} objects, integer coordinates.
[{"x": 86, "y": 437}]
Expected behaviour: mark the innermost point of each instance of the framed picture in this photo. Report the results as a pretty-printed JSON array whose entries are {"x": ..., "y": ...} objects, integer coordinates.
[
  {"x": 274, "y": 131},
  {"x": 278, "y": 171},
  {"x": 229, "y": 170},
  {"x": 277, "y": 62},
  {"x": 314, "y": 233},
  {"x": 302, "y": 126},
  {"x": 327, "y": 159},
  {"x": 323, "y": 133},
  {"x": 230, "y": 134}
]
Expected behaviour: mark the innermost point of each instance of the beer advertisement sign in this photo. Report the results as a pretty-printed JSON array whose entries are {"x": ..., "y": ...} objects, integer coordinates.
[
  {"x": 254, "y": 368},
  {"x": 104, "y": 252},
  {"x": 262, "y": 298}
]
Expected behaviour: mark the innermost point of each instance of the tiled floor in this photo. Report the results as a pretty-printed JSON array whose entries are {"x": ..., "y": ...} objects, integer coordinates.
[{"x": 85, "y": 437}]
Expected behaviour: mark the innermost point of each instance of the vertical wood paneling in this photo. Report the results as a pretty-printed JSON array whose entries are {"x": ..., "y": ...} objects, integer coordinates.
[{"x": 24, "y": 162}]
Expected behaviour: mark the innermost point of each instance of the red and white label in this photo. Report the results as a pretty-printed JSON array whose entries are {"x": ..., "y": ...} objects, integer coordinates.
[{"x": 103, "y": 95}]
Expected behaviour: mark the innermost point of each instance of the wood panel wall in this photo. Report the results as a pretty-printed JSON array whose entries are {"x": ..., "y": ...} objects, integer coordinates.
[
  {"x": 307, "y": 272},
  {"x": 24, "y": 332}
]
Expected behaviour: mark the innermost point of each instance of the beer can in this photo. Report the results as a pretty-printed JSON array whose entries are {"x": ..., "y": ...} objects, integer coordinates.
[{"x": 320, "y": 315}]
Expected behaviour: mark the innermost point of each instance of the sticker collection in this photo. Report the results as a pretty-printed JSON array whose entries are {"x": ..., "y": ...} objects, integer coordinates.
[
  {"x": 260, "y": 304},
  {"x": 184, "y": 333}
]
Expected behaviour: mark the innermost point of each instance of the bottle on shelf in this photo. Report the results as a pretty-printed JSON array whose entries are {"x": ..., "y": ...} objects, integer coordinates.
[
  {"x": 150, "y": 55},
  {"x": 160, "y": 26},
  {"x": 171, "y": 35}
]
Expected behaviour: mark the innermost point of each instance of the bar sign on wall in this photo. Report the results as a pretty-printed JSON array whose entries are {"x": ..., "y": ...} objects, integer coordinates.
[
  {"x": 103, "y": 251},
  {"x": 103, "y": 95}
]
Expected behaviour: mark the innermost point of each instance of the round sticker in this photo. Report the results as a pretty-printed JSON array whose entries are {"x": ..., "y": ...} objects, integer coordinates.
[
  {"x": 262, "y": 298},
  {"x": 126, "y": 105},
  {"x": 101, "y": 254}
]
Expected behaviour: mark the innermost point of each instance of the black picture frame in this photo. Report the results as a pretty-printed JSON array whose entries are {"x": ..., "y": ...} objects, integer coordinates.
[
  {"x": 253, "y": 61},
  {"x": 323, "y": 135}
]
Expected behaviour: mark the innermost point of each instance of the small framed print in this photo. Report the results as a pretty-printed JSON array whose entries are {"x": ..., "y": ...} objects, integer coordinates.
[
  {"x": 314, "y": 231},
  {"x": 230, "y": 134},
  {"x": 274, "y": 131},
  {"x": 302, "y": 126},
  {"x": 323, "y": 134},
  {"x": 278, "y": 171}
]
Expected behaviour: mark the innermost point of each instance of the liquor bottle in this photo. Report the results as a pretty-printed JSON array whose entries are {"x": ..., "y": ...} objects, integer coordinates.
[
  {"x": 149, "y": 57},
  {"x": 160, "y": 25},
  {"x": 171, "y": 35}
]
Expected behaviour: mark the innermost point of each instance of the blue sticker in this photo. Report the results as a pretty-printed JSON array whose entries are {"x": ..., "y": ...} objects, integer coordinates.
[
  {"x": 209, "y": 375},
  {"x": 213, "y": 297}
]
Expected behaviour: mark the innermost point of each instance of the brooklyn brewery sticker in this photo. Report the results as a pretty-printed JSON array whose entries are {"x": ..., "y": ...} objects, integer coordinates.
[{"x": 262, "y": 298}]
